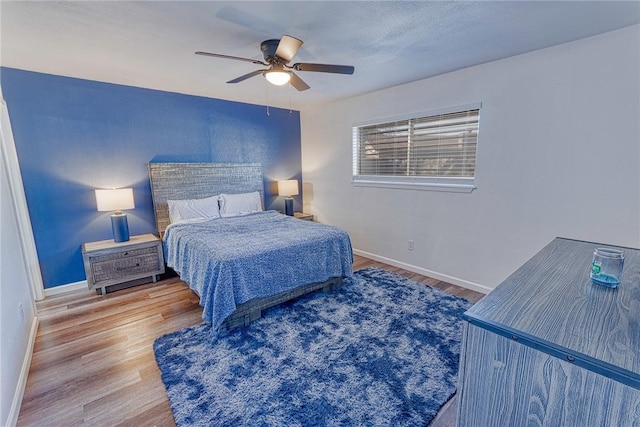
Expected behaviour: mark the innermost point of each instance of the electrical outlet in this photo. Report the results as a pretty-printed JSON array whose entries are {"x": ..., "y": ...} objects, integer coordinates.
[
  {"x": 410, "y": 245},
  {"x": 21, "y": 312}
]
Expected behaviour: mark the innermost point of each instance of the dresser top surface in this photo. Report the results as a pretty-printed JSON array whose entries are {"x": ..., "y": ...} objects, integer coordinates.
[{"x": 552, "y": 299}]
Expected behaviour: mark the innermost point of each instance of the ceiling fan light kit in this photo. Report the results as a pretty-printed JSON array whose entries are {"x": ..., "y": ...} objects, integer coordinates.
[
  {"x": 277, "y": 76},
  {"x": 277, "y": 55}
]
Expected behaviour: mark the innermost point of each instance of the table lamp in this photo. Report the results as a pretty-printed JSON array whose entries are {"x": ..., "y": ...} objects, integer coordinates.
[
  {"x": 288, "y": 188},
  {"x": 117, "y": 201}
]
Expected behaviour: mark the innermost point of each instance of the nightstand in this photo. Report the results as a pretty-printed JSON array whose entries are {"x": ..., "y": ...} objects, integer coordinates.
[
  {"x": 138, "y": 260},
  {"x": 303, "y": 216}
]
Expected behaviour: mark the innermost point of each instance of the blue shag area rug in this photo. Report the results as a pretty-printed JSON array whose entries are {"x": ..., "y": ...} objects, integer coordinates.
[{"x": 382, "y": 350}]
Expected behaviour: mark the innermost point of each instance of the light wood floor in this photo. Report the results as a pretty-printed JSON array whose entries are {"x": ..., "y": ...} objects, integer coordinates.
[{"x": 93, "y": 361}]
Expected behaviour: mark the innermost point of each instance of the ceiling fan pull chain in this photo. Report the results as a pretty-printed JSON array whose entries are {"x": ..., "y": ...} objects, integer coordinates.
[
  {"x": 266, "y": 86},
  {"x": 290, "y": 99}
]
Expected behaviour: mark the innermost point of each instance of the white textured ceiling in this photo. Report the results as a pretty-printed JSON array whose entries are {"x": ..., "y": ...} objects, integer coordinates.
[{"x": 152, "y": 44}]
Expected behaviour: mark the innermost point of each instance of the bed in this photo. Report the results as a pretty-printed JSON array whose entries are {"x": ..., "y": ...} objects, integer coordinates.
[{"x": 240, "y": 265}]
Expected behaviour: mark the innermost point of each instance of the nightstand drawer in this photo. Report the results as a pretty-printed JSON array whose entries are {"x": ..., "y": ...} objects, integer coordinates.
[
  {"x": 125, "y": 264},
  {"x": 133, "y": 253}
]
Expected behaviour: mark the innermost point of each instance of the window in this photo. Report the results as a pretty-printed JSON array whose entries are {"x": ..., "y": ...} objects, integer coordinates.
[{"x": 430, "y": 151}]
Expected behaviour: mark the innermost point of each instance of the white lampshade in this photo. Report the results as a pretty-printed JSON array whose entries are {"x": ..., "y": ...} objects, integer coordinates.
[
  {"x": 278, "y": 77},
  {"x": 288, "y": 188},
  {"x": 115, "y": 200}
]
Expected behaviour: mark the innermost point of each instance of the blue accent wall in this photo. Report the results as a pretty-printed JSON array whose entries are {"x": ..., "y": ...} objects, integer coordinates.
[{"x": 74, "y": 135}]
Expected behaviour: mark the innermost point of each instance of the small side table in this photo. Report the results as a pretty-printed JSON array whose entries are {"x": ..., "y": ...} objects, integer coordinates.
[
  {"x": 303, "y": 216},
  {"x": 136, "y": 261}
]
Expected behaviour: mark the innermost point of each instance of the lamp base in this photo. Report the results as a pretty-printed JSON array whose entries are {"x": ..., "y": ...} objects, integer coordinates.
[
  {"x": 288, "y": 206},
  {"x": 120, "y": 227}
]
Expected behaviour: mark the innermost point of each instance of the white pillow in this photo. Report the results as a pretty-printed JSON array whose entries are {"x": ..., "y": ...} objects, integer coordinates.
[
  {"x": 240, "y": 204},
  {"x": 180, "y": 210}
]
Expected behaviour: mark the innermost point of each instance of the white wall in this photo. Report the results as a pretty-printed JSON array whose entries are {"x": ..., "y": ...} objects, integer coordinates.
[
  {"x": 558, "y": 155},
  {"x": 16, "y": 331}
]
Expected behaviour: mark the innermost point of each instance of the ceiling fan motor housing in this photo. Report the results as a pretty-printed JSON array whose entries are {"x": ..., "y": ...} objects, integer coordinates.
[{"x": 269, "y": 48}]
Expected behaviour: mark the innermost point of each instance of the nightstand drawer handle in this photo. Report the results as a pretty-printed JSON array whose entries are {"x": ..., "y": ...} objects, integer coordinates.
[{"x": 130, "y": 266}]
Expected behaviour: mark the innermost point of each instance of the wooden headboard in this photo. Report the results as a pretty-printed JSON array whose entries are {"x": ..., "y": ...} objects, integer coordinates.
[{"x": 180, "y": 181}]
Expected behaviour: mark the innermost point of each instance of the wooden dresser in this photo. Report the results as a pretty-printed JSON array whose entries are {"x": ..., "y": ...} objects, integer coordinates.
[{"x": 550, "y": 348}]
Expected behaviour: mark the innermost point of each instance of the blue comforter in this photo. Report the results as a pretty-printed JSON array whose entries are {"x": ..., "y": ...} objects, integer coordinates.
[{"x": 229, "y": 261}]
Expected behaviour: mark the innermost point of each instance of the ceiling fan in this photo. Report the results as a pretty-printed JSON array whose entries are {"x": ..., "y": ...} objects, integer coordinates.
[{"x": 277, "y": 55}]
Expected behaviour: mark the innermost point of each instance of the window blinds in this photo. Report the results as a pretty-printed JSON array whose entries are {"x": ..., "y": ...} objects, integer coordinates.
[{"x": 438, "y": 146}]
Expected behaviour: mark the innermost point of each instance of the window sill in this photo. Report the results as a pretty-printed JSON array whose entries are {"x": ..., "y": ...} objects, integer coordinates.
[{"x": 421, "y": 186}]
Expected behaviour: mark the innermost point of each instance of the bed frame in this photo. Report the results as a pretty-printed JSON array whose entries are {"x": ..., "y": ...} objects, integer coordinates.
[{"x": 179, "y": 181}]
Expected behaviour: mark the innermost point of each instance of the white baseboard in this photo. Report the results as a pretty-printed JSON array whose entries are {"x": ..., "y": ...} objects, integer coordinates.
[
  {"x": 65, "y": 288},
  {"x": 444, "y": 277},
  {"x": 14, "y": 412}
]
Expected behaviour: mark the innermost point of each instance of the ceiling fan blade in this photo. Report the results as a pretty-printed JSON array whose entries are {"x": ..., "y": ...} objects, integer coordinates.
[
  {"x": 324, "y": 68},
  {"x": 288, "y": 47},
  {"x": 237, "y": 58},
  {"x": 298, "y": 83},
  {"x": 246, "y": 76}
]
